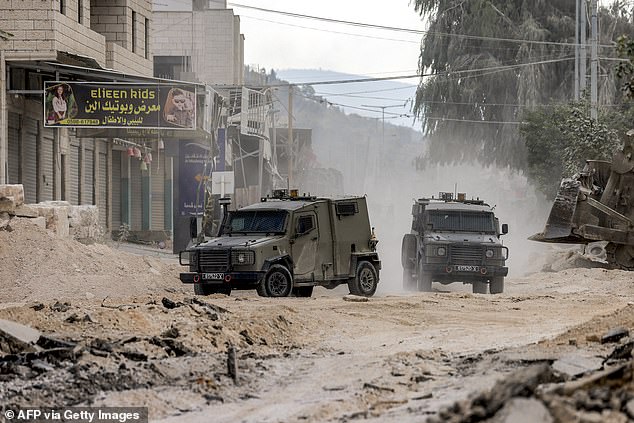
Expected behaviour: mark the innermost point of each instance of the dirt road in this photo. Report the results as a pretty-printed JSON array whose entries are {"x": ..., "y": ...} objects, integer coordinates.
[
  {"x": 396, "y": 357},
  {"x": 120, "y": 329}
]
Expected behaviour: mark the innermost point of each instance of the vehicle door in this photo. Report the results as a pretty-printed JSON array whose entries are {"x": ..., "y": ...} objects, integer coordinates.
[{"x": 304, "y": 244}]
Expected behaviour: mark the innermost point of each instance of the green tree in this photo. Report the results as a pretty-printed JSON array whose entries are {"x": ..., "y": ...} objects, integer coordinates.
[
  {"x": 472, "y": 115},
  {"x": 559, "y": 139}
]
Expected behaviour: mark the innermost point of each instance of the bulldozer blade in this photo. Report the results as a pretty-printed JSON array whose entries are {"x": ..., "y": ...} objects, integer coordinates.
[{"x": 560, "y": 221}]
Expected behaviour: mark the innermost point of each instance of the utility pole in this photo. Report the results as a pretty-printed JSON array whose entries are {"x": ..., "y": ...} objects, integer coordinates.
[
  {"x": 594, "y": 63},
  {"x": 582, "y": 40},
  {"x": 382, "y": 117},
  {"x": 290, "y": 136},
  {"x": 382, "y": 146},
  {"x": 577, "y": 42}
]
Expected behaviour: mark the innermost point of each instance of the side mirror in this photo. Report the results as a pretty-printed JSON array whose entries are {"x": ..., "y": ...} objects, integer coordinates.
[
  {"x": 193, "y": 227},
  {"x": 505, "y": 228}
]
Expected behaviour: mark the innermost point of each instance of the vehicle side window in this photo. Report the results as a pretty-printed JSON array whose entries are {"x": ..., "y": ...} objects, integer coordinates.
[{"x": 305, "y": 224}]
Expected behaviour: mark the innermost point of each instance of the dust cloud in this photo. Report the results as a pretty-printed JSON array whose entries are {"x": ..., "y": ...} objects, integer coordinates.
[{"x": 391, "y": 182}]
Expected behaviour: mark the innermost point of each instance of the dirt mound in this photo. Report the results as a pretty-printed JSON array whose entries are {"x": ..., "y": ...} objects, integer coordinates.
[{"x": 38, "y": 265}]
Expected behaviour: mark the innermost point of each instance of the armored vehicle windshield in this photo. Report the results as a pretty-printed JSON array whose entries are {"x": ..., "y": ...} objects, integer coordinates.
[
  {"x": 255, "y": 221},
  {"x": 462, "y": 221}
]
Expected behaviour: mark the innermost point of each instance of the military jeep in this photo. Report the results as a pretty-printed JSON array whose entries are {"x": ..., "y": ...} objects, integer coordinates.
[
  {"x": 454, "y": 240},
  {"x": 286, "y": 245}
]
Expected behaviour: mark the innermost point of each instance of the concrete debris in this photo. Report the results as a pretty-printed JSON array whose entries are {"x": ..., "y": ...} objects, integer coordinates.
[
  {"x": 26, "y": 210},
  {"x": 5, "y": 218},
  {"x": 355, "y": 298},
  {"x": 523, "y": 410},
  {"x": 7, "y": 204},
  {"x": 60, "y": 307},
  {"x": 621, "y": 352},
  {"x": 169, "y": 304},
  {"x": 574, "y": 365},
  {"x": 84, "y": 223},
  {"x": 232, "y": 363},
  {"x": 614, "y": 335},
  {"x": 15, "y": 337},
  {"x": 522, "y": 383},
  {"x": 14, "y": 191},
  {"x": 629, "y": 408}
]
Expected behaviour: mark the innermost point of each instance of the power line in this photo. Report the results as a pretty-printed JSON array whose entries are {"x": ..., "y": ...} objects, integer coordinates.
[
  {"x": 406, "y": 30},
  {"x": 329, "y": 31},
  {"x": 458, "y": 72}
]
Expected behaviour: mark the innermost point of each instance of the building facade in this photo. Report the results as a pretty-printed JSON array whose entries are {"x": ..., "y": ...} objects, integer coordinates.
[{"x": 103, "y": 41}]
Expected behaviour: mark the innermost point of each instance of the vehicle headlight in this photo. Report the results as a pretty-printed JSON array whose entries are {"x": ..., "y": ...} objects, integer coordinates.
[
  {"x": 441, "y": 251},
  {"x": 242, "y": 257},
  {"x": 489, "y": 253}
]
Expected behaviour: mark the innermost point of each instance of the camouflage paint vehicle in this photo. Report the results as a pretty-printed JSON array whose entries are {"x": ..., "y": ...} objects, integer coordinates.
[
  {"x": 287, "y": 245},
  {"x": 454, "y": 240}
]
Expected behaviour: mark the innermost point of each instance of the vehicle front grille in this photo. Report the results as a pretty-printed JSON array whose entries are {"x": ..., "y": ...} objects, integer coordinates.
[
  {"x": 466, "y": 254},
  {"x": 213, "y": 260}
]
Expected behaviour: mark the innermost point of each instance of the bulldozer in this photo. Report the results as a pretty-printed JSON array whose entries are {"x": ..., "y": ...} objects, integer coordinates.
[{"x": 597, "y": 204}]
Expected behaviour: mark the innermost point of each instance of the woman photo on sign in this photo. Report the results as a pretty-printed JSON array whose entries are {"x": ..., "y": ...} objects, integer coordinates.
[
  {"x": 60, "y": 103},
  {"x": 179, "y": 108}
]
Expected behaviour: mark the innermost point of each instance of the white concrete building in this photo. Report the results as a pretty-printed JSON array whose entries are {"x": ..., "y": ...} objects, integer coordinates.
[{"x": 197, "y": 41}]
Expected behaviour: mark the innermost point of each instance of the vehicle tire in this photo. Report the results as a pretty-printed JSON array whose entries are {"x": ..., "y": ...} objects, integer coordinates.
[
  {"x": 479, "y": 287},
  {"x": 260, "y": 289},
  {"x": 365, "y": 281},
  {"x": 424, "y": 281},
  {"x": 497, "y": 285},
  {"x": 204, "y": 289},
  {"x": 409, "y": 281},
  {"x": 408, "y": 251},
  {"x": 278, "y": 282},
  {"x": 303, "y": 291}
]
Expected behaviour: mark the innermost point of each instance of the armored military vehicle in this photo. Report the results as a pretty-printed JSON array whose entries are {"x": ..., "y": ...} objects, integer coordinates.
[
  {"x": 288, "y": 244},
  {"x": 454, "y": 240}
]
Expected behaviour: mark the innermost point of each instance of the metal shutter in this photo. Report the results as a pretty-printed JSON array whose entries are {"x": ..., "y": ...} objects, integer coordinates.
[
  {"x": 14, "y": 148},
  {"x": 46, "y": 178},
  {"x": 87, "y": 196},
  {"x": 136, "y": 195},
  {"x": 102, "y": 185},
  {"x": 158, "y": 193},
  {"x": 73, "y": 183},
  {"x": 29, "y": 171},
  {"x": 115, "y": 181}
]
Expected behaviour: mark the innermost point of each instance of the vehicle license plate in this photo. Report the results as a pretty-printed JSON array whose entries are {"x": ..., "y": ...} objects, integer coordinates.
[
  {"x": 213, "y": 276},
  {"x": 462, "y": 268}
]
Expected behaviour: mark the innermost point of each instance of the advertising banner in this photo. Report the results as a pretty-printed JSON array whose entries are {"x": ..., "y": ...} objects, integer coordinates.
[
  {"x": 192, "y": 179},
  {"x": 119, "y": 105}
]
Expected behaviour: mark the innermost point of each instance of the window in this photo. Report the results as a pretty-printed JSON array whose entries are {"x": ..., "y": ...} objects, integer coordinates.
[
  {"x": 133, "y": 31},
  {"x": 62, "y": 6},
  {"x": 147, "y": 38},
  {"x": 305, "y": 224},
  {"x": 461, "y": 221},
  {"x": 264, "y": 221},
  {"x": 80, "y": 11},
  {"x": 347, "y": 209}
]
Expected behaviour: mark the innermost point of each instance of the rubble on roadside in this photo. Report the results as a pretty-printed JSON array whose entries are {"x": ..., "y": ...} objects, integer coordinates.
[
  {"x": 60, "y": 217},
  {"x": 579, "y": 387},
  {"x": 161, "y": 343}
]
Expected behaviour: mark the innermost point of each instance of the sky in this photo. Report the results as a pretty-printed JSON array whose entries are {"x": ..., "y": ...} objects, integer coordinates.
[
  {"x": 281, "y": 42},
  {"x": 337, "y": 47}
]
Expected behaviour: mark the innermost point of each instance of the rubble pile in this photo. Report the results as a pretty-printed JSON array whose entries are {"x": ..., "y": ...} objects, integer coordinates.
[
  {"x": 595, "y": 383},
  {"x": 60, "y": 217},
  {"x": 87, "y": 353}
]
